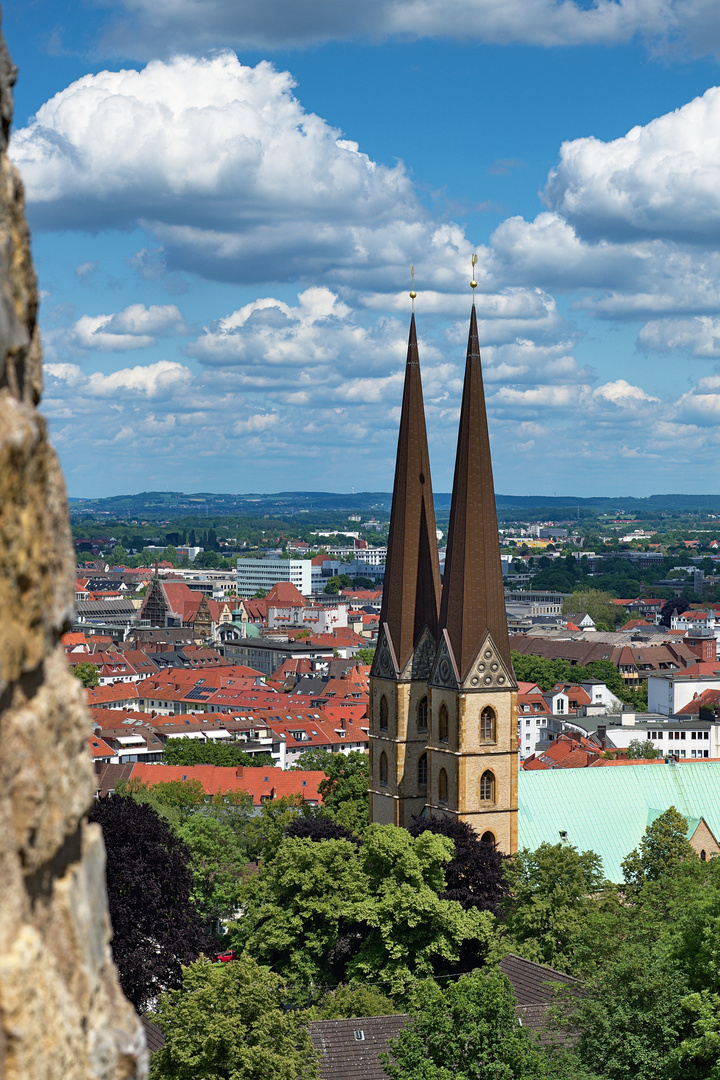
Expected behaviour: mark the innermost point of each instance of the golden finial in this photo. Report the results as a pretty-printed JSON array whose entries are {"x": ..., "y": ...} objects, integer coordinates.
[
  {"x": 473, "y": 283},
  {"x": 413, "y": 294}
]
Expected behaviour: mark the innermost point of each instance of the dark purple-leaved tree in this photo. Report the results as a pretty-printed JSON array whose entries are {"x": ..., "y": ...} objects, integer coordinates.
[
  {"x": 319, "y": 828},
  {"x": 475, "y": 876},
  {"x": 156, "y": 929},
  {"x": 678, "y": 603}
]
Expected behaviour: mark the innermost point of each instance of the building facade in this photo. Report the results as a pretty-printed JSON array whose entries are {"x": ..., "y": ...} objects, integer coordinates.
[
  {"x": 443, "y": 696},
  {"x": 256, "y": 574}
]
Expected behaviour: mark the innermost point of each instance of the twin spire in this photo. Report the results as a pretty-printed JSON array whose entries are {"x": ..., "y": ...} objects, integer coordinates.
[
  {"x": 473, "y": 599},
  {"x": 411, "y": 593}
]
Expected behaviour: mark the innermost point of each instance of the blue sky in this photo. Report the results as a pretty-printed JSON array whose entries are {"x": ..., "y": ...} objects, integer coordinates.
[{"x": 226, "y": 198}]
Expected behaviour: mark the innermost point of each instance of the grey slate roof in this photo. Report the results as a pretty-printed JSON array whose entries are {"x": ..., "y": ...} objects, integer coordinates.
[
  {"x": 531, "y": 981},
  {"x": 108, "y": 775},
  {"x": 314, "y": 686},
  {"x": 153, "y": 1035},
  {"x": 349, "y": 1049},
  {"x": 535, "y": 987},
  {"x": 344, "y": 1056}
]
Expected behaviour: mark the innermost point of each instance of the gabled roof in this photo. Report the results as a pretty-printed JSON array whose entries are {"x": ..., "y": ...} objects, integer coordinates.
[
  {"x": 262, "y": 783},
  {"x": 708, "y": 699},
  {"x": 99, "y": 748},
  {"x": 285, "y": 594},
  {"x": 528, "y": 688},
  {"x": 574, "y": 691},
  {"x": 100, "y": 695},
  {"x": 349, "y": 1049},
  {"x": 532, "y": 982}
]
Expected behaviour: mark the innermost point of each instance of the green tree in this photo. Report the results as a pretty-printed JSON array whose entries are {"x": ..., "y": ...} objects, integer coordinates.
[
  {"x": 323, "y": 912},
  {"x": 661, "y": 851},
  {"x": 118, "y": 555},
  {"x": 174, "y": 800},
  {"x": 550, "y": 900},
  {"x": 300, "y": 906},
  {"x": 210, "y": 560},
  {"x": 170, "y": 555},
  {"x": 631, "y": 1015},
  {"x": 265, "y": 832},
  {"x": 411, "y": 931},
  {"x": 599, "y": 606},
  {"x": 345, "y": 791},
  {"x": 365, "y": 656},
  {"x": 313, "y": 760},
  {"x": 88, "y": 674},
  {"x": 187, "y": 751},
  {"x": 547, "y": 673},
  {"x": 644, "y": 749},
  {"x": 348, "y": 1000},
  {"x": 226, "y": 1023},
  {"x": 466, "y": 1031},
  {"x": 697, "y": 1057},
  {"x": 218, "y": 861}
]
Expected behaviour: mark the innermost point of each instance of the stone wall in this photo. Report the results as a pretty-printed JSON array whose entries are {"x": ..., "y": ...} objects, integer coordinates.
[{"x": 62, "y": 1013}]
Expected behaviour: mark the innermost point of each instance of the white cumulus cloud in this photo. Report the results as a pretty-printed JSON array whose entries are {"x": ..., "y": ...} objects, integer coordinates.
[
  {"x": 136, "y": 327},
  {"x": 222, "y": 163},
  {"x": 660, "y": 180},
  {"x": 151, "y": 380},
  {"x": 319, "y": 338},
  {"x": 622, "y": 393},
  {"x": 698, "y": 337}
]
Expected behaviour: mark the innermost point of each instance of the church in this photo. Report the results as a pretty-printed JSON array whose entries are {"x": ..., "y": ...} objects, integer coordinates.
[{"x": 443, "y": 696}]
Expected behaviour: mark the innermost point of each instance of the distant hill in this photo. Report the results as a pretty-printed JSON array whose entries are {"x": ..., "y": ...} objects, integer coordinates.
[{"x": 159, "y": 505}]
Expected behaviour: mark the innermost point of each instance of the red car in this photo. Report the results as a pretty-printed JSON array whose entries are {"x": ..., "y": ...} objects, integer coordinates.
[{"x": 225, "y": 957}]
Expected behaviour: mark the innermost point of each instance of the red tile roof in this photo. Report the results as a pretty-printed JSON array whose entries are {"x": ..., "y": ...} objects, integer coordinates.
[
  {"x": 261, "y": 783},
  {"x": 99, "y": 695},
  {"x": 708, "y": 699},
  {"x": 284, "y": 594},
  {"x": 99, "y": 748}
]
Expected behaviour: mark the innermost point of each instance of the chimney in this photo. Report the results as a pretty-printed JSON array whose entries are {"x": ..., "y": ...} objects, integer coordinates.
[{"x": 601, "y": 734}]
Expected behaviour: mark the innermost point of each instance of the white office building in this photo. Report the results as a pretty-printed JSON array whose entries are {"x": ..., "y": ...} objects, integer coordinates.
[{"x": 254, "y": 574}]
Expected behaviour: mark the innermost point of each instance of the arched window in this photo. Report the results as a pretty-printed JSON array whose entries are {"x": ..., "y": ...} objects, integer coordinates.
[
  {"x": 488, "y": 838},
  {"x": 703, "y": 856},
  {"x": 422, "y": 711},
  {"x": 383, "y": 713},
  {"x": 422, "y": 771},
  {"x": 383, "y": 770},
  {"x": 443, "y": 723},
  {"x": 442, "y": 786},
  {"x": 487, "y": 724},
  {"x": 487, "y": 787}
]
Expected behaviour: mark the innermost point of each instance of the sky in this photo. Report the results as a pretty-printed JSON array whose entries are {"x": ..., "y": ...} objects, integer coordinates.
[{"x": 226, "y": 198}]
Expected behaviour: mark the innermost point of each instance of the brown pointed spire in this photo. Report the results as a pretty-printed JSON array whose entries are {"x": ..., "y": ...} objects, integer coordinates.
[
  {"x": 473, "y": 597},
  {"x": 412, "y": 572}
]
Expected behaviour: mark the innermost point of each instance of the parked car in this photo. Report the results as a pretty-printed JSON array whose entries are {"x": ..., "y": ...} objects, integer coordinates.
[{"x": 225, "y": 957}]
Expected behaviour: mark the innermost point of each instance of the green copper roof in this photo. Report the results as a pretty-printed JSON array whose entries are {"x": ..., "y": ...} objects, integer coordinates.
[{"x": 607, "y": 809}]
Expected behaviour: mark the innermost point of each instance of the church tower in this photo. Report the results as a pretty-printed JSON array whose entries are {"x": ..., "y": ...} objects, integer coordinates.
[
  {"x": 399, "y": 698},
  {"x": 472, "y": 736}
]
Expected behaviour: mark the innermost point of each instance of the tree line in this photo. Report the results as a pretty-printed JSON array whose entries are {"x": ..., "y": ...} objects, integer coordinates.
[{"x": 331, "y": 917}]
